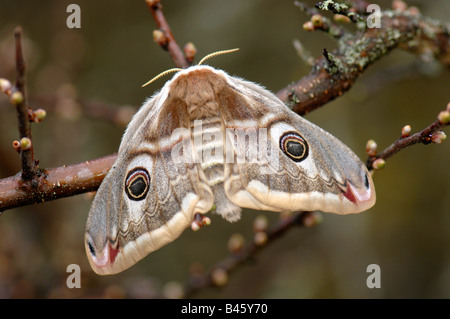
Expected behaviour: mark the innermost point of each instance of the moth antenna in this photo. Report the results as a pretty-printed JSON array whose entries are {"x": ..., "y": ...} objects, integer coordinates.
[
  {"x": 216, "y": 54},
  {"x": 201, "y": 61},
  {"x": 161, "y": 75}
]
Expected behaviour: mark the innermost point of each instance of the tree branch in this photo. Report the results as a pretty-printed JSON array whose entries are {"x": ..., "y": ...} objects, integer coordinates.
[
  {"x": 18, "y": 97},
  {"x": 335, "y": 72},
  {"x": 54, "y": 183}
]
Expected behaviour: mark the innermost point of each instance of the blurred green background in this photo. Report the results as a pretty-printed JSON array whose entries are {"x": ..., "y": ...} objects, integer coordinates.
[{"x": 407, "y": 233}]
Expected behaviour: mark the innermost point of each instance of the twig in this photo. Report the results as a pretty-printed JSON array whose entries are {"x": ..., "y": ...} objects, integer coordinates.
[
  {"x": 426, "y": 136},
  {"x": 29, "y": 166},
  {"x": 320, "y": 22},
  {"x": 169, "y": 44},
  {"x": 54, "y": 183},
  {"x": 198, "y": 281},
  {"x": 339, "y": 8}
]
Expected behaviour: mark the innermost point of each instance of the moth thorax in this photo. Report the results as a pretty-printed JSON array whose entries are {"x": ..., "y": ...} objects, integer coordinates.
[
  {"x": 205, "y": 110},
  {"x": 199, "y": 90}
]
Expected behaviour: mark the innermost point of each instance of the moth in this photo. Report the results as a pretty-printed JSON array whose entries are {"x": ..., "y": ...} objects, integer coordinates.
[{"x": 210, "y": 141}]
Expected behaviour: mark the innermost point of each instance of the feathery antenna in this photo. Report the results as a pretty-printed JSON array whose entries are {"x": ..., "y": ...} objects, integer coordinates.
[
  {"x": 161, "y": 75},
  {"x": 216, "y": 54},
  {"x": 178, "y": 69}
]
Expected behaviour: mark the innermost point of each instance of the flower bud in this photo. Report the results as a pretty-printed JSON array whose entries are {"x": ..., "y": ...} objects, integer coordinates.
[
  {"x": 371, "y": 148},
  {"x": 219, "y": 277},
  {"x": 39, "y": 115},
  {"x": 444, "y": 117},
  {"x": 159, "y": 37},
  {"x": 16, "y": 98},
  {"x": 438, "y": 137},
  {"x": 406, "y": 130},
  {"x": 5, "y": 86},
  {"x": 260, "y": 223},
  {"x": 195, "y": 226},
  {"x": 260, "y": 238},
  {"x": 312, "y": 219},
  {"x": 16, "y": 145},
  {"x": 190, "y": 51},
  {"x": 341, "y": 18},
  {"x": 308, "y": 26},
  {"x": 25, "y": 143},
  {"x": 378, "y": 164},
  {"x": 317, "y": 20},
  {"x": 236, "y": 243}
]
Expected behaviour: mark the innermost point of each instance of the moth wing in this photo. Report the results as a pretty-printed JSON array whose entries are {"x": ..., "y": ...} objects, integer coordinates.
[
  {"x": 121, "y": 230},
  {"x": 329, "y": 177}
]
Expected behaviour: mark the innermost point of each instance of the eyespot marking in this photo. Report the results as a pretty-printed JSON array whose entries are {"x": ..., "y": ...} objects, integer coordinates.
[
  {"x": 294, "y": 146},
  {"x": 137, "y": 184}
]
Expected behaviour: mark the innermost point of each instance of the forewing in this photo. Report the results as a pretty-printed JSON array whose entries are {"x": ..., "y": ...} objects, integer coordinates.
[{"x": 148, "y": 197}]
